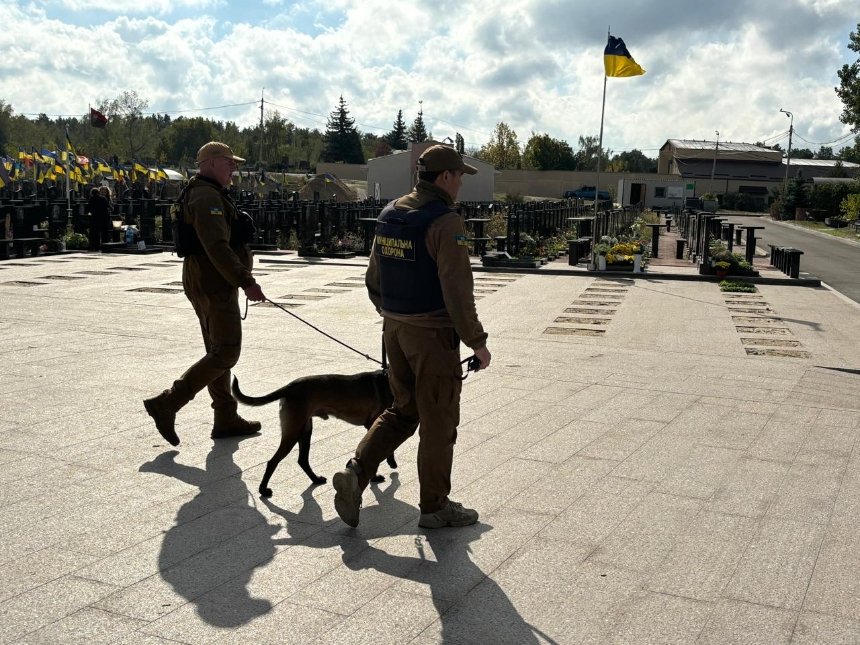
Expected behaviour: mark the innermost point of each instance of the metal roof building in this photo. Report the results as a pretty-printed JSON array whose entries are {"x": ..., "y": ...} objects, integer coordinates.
[{"x": 726, "y": 166}]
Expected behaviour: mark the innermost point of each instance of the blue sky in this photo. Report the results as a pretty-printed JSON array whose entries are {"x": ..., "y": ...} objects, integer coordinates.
[{"x": 726, "y": 66}]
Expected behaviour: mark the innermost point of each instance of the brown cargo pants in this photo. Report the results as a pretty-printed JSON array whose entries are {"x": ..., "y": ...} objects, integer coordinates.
[
  {"x": 423, "y": 371},
  {"x": 221, "y": 327}
]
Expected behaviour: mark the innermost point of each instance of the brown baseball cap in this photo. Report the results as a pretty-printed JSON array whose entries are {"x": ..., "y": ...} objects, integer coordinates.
[
  {"x": 439, "y": 158},
  {"x": 215, "y": 149}
]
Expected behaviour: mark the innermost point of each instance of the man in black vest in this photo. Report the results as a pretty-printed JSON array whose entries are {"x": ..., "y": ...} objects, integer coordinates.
[
  {"x": 217, "y": 262},
  {"x": 420, "y": 280}
]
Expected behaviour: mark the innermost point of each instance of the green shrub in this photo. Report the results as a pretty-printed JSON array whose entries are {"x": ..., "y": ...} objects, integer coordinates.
[
  {"x": 76, "y": 241},
  {"x": 850, "y": 207},
  {"x": 827, "y": 198},
  {"x": 498, "y": 224},
  {"x": 737, "y": 286}
]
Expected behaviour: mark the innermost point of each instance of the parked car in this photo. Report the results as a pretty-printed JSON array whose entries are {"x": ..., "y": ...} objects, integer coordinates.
[
  {"x": 693, "y": 203},
  {"x": 587, "y": 192}
]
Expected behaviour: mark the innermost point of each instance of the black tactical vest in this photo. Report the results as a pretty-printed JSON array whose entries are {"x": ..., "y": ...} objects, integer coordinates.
[
  {"x": 185, "y": 240},
  {"x": 408, "y": 276}
]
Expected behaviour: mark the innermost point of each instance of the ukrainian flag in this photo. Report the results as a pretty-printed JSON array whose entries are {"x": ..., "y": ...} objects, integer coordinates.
[
  {"x": 99, "y": 165},
  {"x": 617, "y": 61},
  {"x": 69, "y": 147}
]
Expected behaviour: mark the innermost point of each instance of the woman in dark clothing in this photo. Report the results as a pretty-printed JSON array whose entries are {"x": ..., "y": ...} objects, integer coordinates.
[{"x": 98, "y": 208}]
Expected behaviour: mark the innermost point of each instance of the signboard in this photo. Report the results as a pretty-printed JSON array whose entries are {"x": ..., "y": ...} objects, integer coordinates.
[{"x": 675, "y": 192}]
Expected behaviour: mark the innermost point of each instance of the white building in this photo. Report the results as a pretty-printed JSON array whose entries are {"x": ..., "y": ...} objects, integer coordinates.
[
  {"x": 650, "y": 190},
  {"x": 394, "y": 175}
]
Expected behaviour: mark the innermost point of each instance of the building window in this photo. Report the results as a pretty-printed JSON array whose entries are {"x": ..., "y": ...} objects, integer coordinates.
[{"x": 659, "y": 191}]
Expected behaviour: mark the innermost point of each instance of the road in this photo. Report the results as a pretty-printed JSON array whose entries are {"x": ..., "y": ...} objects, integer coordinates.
[{"x": 835, "y": 262}]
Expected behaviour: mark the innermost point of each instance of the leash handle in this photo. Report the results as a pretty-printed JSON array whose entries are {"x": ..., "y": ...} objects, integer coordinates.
[{"x": 472, "y": 365}]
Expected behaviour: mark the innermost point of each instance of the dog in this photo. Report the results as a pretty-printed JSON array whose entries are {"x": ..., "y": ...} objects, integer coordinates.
[{"x": 357, "y": 399}]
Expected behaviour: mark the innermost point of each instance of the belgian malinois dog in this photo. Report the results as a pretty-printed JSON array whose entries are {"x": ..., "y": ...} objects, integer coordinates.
[{"x": 357, "y": 399}]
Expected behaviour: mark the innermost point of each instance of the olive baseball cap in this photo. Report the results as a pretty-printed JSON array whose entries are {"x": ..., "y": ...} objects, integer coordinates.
[
  {"x": 439, "y": 158},
  {"x": 215, "y": 149}
]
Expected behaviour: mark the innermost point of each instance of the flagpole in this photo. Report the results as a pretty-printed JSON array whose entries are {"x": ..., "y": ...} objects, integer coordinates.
[
  {"x": 600, "y": 148},
  {"x": 68, "y": 172},
  {"x": 600, "y": 141}
]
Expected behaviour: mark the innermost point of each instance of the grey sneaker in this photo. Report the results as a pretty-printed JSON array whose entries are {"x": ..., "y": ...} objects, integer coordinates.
[
  {"x": 347, "y": 498},
  {"x": 452, "y": 514}
]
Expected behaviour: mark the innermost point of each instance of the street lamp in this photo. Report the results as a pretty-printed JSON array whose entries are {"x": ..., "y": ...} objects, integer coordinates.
[
  {"x": 714, "y": 167},
  {"x": 788, "y": 156}
]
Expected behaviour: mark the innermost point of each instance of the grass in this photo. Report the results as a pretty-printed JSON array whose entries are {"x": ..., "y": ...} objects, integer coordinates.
[
  {"x": 846, "y": 232},
  {"x": 737, "y": 286}
]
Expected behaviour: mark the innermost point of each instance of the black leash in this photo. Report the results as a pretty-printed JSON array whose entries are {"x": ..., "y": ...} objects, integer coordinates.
[
  {"x": 285, "y": 310},
  {"x": 472, "y": 363}
]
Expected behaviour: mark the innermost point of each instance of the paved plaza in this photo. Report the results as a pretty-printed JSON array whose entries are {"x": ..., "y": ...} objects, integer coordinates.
[{"x": 654, "y": 461}]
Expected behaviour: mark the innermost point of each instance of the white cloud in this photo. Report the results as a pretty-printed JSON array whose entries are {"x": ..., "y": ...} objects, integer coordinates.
[
  {"x": 534, "y": 64},
  {"x": 120, "y": 7}
]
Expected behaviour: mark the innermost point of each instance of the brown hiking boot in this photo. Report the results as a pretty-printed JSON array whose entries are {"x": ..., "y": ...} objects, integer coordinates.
[
  {"x": 163, "y": 409},
  {"x": 230, "y": 424},
  {"x": 452, "y": 514},
  {"x": 347, "y": 498}
]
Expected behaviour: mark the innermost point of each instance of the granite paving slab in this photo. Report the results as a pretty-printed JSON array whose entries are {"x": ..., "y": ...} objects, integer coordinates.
[{"x": 653, "y": 484}]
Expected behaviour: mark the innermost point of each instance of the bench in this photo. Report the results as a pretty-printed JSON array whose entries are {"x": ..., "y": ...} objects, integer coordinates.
[
  {"x": 578, "y": 249},
  {"x": 111, "y": 247},
  {"x": 480, "y": 244},
  {"x": 478, "y": 238},
  {"x": 21, "y": 244},
  {"x": 786, "y": 259}
]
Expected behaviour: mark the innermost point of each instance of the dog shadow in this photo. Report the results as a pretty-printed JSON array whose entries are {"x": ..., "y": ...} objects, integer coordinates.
[
  {"x": 218, "y": 538},
  {"x": 377, "y": 520},
  {"x": 309, "y": 515}
]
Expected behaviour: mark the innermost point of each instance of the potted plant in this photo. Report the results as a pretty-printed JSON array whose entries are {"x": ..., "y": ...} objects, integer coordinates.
[
  {"x": 622, "y": 256},
  {"x": 601, "y": 250},
  {"x": 721, "y": 268}
]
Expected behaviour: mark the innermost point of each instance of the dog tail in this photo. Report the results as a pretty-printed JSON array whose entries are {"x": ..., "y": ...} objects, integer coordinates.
[{"x": 254, "y": 400}]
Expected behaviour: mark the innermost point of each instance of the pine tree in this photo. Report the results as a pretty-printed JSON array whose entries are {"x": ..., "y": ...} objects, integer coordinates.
[
  {"x": 342, "y": 141},
  {"x": 459, "y": 143},
  {"x": 397, "y": 137},
  {"x": 417, "y": 132}
]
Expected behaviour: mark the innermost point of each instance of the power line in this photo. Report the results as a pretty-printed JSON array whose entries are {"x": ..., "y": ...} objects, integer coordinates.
[
  {"x": 826, "y": 143},
  {"x": 155, "y": 113}
]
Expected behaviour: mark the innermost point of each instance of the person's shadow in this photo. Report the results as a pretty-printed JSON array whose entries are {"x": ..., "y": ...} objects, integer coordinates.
[
  {"x": 217, "y": 540},
  {"x": 472, "y": 608}
]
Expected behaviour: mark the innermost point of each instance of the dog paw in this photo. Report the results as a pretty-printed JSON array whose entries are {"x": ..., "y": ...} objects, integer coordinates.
[
  {"x": 319, "y": 480},
  {"x": 265, "y": 492},
  {"x": 377, "y": 479}
]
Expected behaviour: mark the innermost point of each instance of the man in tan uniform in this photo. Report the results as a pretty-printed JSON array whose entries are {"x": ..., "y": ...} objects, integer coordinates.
[
  {"x": 420, "y": 280},
  {"x": 213, "y": 238}
]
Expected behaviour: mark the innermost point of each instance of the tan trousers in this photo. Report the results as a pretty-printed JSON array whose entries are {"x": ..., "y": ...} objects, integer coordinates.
[
  {"x": 221, "y": 327},
  {"x": 423, "y": 370}
]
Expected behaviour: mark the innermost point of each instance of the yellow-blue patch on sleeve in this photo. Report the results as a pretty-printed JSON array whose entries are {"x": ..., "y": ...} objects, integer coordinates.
[
  {"x": 461, "y": 240},
  {"x": 216, "y": 210}
]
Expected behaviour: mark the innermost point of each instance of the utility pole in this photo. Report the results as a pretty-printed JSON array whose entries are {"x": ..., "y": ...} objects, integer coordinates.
[
  {"x": 714, "y": 167},
  {"x": 261, "y": 127},
  {"x": 788, "y": 156}
]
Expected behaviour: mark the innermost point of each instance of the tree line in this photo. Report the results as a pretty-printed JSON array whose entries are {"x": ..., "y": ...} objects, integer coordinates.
[{"x": 131, "y": 134}]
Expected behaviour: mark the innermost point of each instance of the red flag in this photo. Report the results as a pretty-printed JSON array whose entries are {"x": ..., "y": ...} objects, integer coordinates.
[{"x": 97, "y": 119}]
